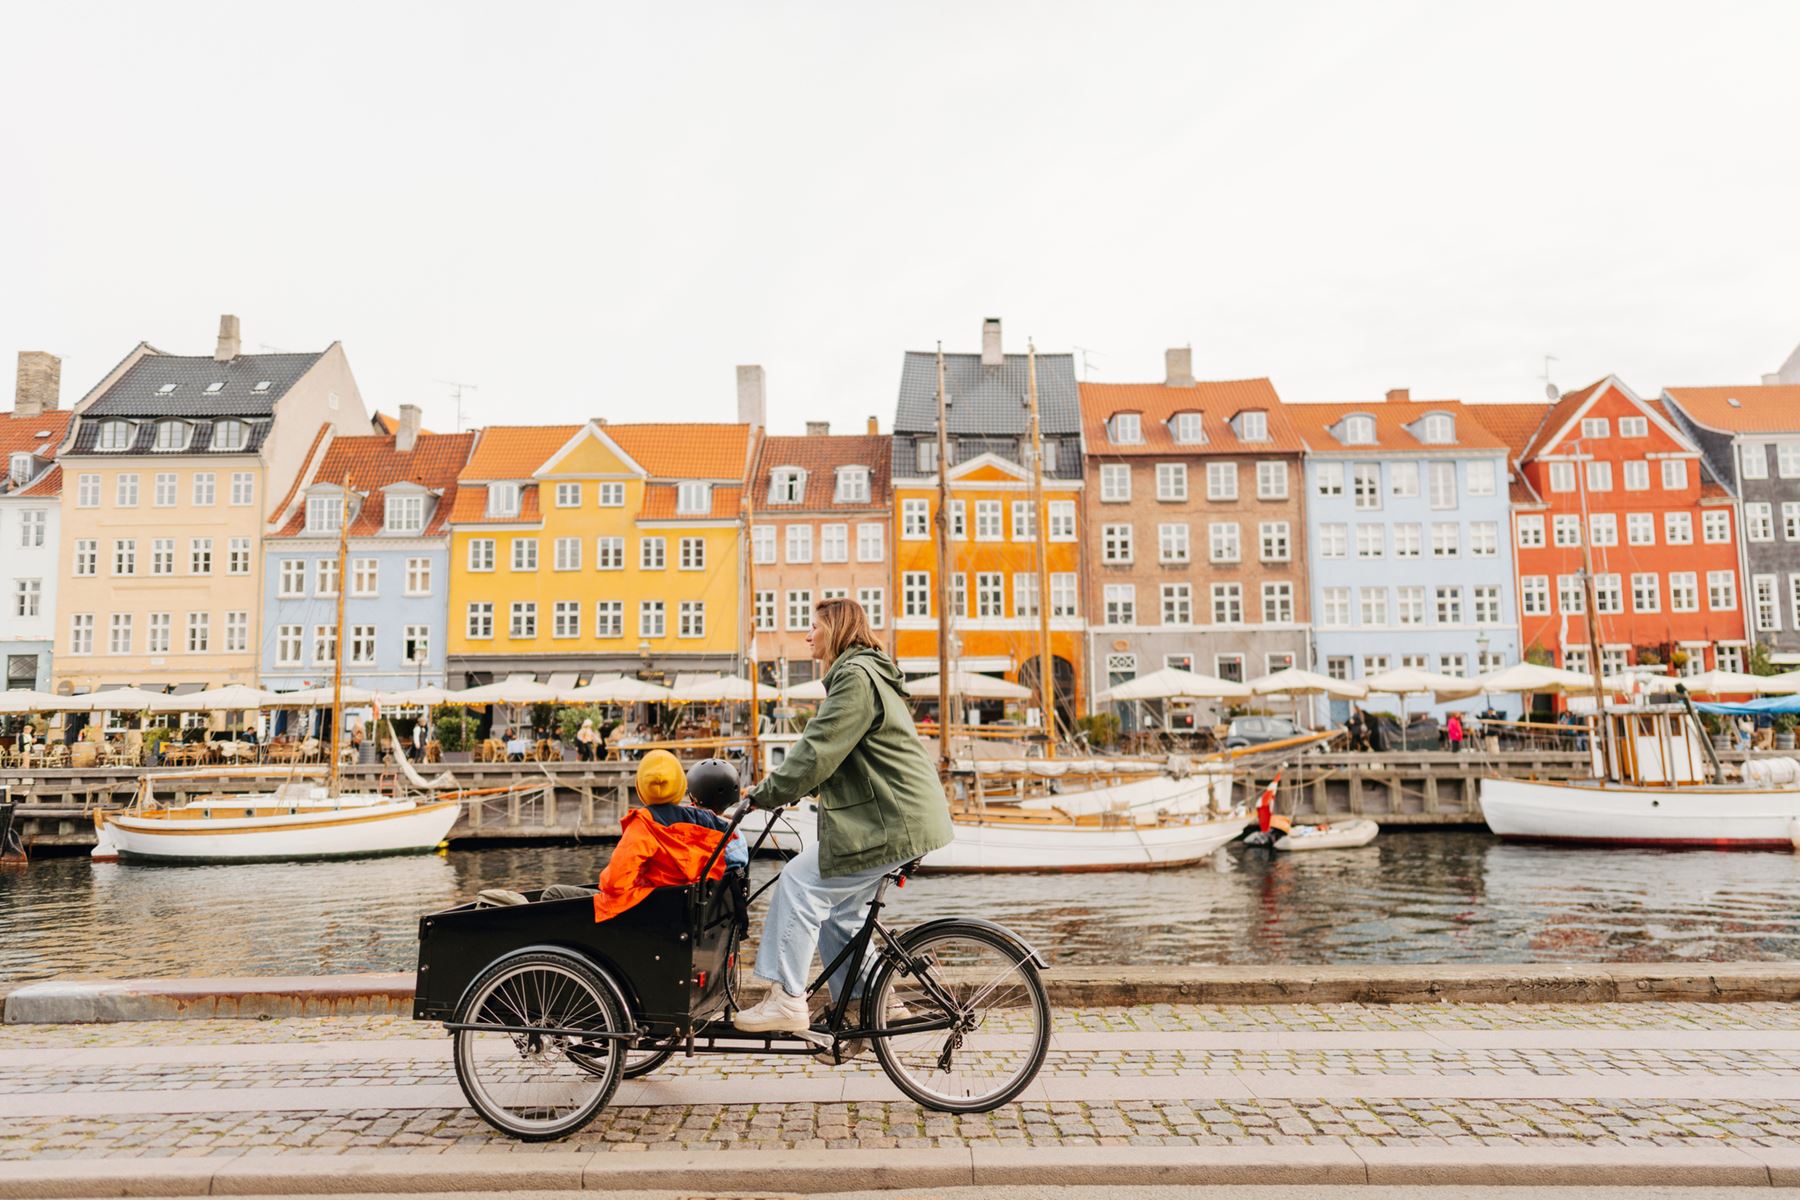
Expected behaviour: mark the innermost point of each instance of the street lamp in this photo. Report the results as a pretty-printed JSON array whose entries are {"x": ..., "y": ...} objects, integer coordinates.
[{"x": 1481, "y": 647}]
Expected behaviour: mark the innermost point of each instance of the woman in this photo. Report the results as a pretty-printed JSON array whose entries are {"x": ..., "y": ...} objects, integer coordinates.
[
  {"x": 586, "y": 740},
  {"x": 880, "y": 805}
]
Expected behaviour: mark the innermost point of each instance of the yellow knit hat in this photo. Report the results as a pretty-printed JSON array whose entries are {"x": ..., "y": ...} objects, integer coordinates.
[{"x": 660, "y": 779}]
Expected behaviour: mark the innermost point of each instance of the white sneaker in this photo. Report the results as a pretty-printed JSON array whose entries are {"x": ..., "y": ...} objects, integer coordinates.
[
  {"x": 776, "y": 1012},
  {"x": 897, "y": 1012}
]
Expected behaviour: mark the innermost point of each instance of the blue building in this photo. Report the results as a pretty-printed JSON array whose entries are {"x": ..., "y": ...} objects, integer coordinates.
[
  {"x": 402, "y": 489},
  {"x": 1408, "y": 549}
]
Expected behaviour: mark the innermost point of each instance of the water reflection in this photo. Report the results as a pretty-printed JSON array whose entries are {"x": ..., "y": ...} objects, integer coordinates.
[{"x": 1410, "y": 897}]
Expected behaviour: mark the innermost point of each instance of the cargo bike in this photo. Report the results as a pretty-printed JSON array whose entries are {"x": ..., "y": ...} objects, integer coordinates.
[{"x": 548, "y": 1010}]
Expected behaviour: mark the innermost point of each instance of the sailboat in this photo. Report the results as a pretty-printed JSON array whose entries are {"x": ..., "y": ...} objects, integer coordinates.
[{"x": 302, "y": 818}]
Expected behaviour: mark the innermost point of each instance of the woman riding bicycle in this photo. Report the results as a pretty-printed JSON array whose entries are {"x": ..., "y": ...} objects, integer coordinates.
[{"x": 880, "y": 805}]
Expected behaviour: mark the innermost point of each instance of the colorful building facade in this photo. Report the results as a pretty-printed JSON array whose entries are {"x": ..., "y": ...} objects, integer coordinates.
[
  {"x": 402, "y": 490},
  {"x": 1196, "y": 554},
  {"x": 994, "y": 615},
  {"x": 1408, "y": 557},
  {"x": 821, "y": 523},
  {"x": 1604, "y": 467},
  {"x": 30, "y": 522},
  {"x": 170, "y": 467}
]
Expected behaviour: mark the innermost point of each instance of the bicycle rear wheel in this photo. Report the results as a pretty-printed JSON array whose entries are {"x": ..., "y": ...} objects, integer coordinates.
[
  {"x": 533, "y": 1085},
  {"x": 986, "y": 997}
]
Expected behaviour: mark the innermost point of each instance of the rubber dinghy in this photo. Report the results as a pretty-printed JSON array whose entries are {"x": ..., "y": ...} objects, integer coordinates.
[{"x": 1343, "y": 835}]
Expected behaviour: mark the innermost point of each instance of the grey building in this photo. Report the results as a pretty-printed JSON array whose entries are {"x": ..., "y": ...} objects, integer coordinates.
[{"x": 1751, "y": 439}]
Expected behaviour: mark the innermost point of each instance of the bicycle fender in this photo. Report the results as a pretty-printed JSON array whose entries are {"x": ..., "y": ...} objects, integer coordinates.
[{"x": 1018, "y": 943}]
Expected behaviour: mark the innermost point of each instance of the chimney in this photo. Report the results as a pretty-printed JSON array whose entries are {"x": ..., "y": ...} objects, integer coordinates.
[
  {"x": 752, "y": 401},
  {"x": 227, "y": 349},
  {"x": 1178, "y": 366},
  {"x": 991, "y": 355},
  {"x": 1399, "y": 396},
  {"x": 874, "y": 426},
  {"x": 407, "y": 436},
  {"x": 818, "y": 429},
  {"x": 39, "y": 383}
]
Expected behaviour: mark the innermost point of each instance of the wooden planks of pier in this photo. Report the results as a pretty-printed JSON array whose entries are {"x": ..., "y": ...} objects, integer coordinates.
[{"x": 1412, "y": 788}]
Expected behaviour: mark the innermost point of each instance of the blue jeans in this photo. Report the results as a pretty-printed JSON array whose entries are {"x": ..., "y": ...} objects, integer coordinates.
[{"x": 811, "y": 911}]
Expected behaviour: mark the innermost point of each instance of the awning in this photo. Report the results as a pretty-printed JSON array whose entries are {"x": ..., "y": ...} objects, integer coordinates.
[
  {"x": 969, "y": 664},
  {"x": 561, "y": 681},
  {"x": 188, "y": 689}
]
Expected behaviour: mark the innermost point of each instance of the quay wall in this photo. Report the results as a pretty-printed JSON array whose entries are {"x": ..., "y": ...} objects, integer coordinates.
[{"x": 586, "y": 800}]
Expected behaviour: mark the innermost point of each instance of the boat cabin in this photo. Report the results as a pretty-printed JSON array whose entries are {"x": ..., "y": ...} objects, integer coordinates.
[{"x": 1655, "y": 744}]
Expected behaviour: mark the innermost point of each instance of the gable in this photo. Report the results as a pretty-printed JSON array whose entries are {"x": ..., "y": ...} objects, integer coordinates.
[
  {"x": 1611, "y": 399},
  {"x": 590, "y": 452},
  {"x": 988, "y": 468}
]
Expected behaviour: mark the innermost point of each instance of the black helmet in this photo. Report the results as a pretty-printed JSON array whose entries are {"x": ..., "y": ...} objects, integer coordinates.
[{"x": 713, "y": 784}]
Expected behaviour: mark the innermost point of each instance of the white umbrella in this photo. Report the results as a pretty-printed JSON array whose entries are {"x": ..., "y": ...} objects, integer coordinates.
[
  {"x": 962, "y": 683},
  {"x": 617, "y": 689},
  {"x": 1294, "y": 682},
  {"x": 508, "y": 691},
  {"x": 29, "y": 702},
  {"x": 1734, "y": 683},
  {"x": 812, "y": 689},
  {"x": 1785, "y": 684},
  {"x": 125, "y": 699},
  {"x": 704, "y": 689},
  {"x": 428, "y": 695},
  {"x": 234, "y": 697},
  {"x": 1524, "y": 677},
  {"x": 1410, "y": 681},
  {"x": 320, "y": 697},
  {"x": 1172, "y": 683}
]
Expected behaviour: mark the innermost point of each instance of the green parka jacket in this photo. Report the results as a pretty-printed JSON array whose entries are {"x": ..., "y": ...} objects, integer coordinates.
[{"x": 880, "y": 801}]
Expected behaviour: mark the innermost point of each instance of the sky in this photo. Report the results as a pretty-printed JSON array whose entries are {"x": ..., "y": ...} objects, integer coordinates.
[{"x": 600, "y": 209}]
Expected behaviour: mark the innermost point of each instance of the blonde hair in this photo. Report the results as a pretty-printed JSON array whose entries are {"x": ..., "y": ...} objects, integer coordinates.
[{"x": 842, "y": 624}]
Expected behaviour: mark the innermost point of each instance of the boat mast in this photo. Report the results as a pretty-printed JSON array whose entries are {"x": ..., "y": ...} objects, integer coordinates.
[
  {"x": 943, "y": 558},
  {"x": 1046, "y": 678},
  {"x": 1593, "y": 606},
  {"x": 750, "y": 584},
  {"x": 337, "y": 670}
]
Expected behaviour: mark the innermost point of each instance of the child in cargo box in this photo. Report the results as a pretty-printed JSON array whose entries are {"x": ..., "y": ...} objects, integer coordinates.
[{"x": 665, "y": 843}]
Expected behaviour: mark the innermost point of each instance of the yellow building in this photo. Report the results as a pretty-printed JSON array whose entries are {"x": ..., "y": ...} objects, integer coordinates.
[
  {"x": 172, "y": 466},
  {"x": 583, "y": 549}
]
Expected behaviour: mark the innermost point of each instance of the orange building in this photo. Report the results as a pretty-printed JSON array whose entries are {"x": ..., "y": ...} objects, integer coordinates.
[{"x": 994, "y": 616}]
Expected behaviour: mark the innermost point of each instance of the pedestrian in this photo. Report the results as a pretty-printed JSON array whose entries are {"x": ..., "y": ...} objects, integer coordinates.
[
  {"x": 1454, "y": 731},
  {"x": 586, "y": 741},
  {"x": 880, "y": 806},
  {"x": 1746, "y": 730}
]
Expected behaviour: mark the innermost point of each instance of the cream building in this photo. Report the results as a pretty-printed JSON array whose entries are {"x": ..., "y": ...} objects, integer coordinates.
[{"x": 170, "y": 473}]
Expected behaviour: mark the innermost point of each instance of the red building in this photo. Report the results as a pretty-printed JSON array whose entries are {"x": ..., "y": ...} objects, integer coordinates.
[{"x": 1603, "y": 466}]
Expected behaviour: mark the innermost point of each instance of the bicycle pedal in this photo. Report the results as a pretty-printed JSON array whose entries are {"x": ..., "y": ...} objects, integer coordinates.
[{"x": 813, "y": 1037}]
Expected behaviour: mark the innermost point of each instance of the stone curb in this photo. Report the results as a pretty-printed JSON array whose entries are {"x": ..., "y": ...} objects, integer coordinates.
[
  {"x": 74, "y": 1000},
  {"x": 804, "y": 1171}
]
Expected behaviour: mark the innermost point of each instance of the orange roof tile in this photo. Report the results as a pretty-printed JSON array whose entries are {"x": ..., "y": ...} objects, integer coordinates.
[
  {"x": 1759, "y": 408},
  {"x": 1314, "y": 421},
  {"x": 820, "y": 457},
  {"x": 660, "y": 499},
  {"x": 1558, "y": 416},
  {"x": 47, "y": 484},
  {"x": 1513, "y": 424},
  {"x": 471, "y": 507},
  {"x": 1157, "y": 404},
  {"x": 514, "y": 451},
  {"x": 21, "y": 434},
  {"x": 701, "y": 450},
  {"x": 373, "y": 464},
  {"x": 384, "y": 423}
]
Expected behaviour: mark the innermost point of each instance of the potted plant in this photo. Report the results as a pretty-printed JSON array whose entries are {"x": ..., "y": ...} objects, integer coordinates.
[
  {"x": 155, "y": 737},
  {"x": 1784, "y": 730},
  {"x": 455, "y": 735}
]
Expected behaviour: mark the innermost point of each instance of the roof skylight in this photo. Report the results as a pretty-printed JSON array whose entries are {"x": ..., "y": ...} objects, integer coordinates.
[
  {"x": 166, "y": 388},
  {"x": 215, "y": 386},
  {"x": 262, "y": 385}
]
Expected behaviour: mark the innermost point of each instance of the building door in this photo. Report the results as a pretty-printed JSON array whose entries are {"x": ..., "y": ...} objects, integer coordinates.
[{"x": 1062, "y": 674}]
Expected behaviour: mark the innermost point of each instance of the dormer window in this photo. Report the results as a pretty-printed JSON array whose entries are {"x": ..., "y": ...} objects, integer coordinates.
[
  {"x": 1187, "y": 428},
  {"x": 925, "y": 455},
  {"x": 173, "y": 435},
  {"x": 230, "y": 435},
  {"x": 22, "y": 467},
  {"x": 503, "y": 500},
  {"x": 1437, "y": 429},
  {"x": 1253, "y": 426},
  {"x": 1050, "y": 457},
  {"x": 693, "y": 498},
  {"x": 1125, "y": 429},
  {"x": 787, "y": 485},
  {"x": 1357, "y": 430},
  {"x": 405, "y": 514},
  {"x": 115, "y": 435},
  {"x": 852, "y": 485},
  {"x": 324, "y": 514}
]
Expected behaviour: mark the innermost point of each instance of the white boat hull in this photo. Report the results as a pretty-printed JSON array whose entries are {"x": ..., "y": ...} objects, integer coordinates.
[
  {"x": 1612, "y": 814},
  {"x": 362, "y": 826},
  {"x": 1344, "y": 835}
]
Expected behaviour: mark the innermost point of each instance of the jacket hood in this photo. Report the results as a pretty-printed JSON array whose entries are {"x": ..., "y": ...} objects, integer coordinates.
[{"x": 876, "y": 661}]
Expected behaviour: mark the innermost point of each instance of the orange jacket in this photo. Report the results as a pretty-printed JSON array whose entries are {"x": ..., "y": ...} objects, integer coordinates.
[{"x": 650, "y": 856}]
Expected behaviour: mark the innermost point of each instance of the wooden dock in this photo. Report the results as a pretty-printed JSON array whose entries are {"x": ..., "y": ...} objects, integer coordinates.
[{"x": 582, "y": 801}]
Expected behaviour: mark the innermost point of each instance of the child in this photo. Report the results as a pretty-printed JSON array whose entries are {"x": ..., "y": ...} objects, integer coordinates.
[{"x": 665, "y": 843}]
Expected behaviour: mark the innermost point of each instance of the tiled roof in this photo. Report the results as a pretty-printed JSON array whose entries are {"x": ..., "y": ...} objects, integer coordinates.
[
  {"x": 40, "y": 435},
  {"x": 1558, "y": 416},
  {"x": 374, "y": 464},
  {"x": 703, "y": 450},
  {"x": 137, "y": 393},
  {"x": 470, "y": 507},
  {"x": 820, "y": 457},
  {"x": 1513, "y": 424},
  {"x": 987, "y": 400},
  {"x": 1157, "y": 405},
  {"x": 1314, "y": 422},
  {"x": 514, "y": 451},
  {"x": 1760, "y": 408},
  {"x": 660, "y": 500},
  {"x": 382, "y": 423}
]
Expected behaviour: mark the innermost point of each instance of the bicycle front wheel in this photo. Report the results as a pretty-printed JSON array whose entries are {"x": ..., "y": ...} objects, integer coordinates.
[{"x": 982, "y": 1013}]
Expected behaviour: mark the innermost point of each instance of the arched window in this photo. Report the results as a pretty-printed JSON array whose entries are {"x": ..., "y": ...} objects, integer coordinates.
[
  {"x": 1437, "y": 429},
  {"x": 230, "y": 435},
  {"x": 115, "y": 435},
  {"x": 1359, "y": 430},
  {"x": 173, "y": 435},
  {"x": 1187, "y": 428}
]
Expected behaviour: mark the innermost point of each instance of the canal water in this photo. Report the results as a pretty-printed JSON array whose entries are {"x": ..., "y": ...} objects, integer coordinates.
[{"x": 1429, "y": 896}]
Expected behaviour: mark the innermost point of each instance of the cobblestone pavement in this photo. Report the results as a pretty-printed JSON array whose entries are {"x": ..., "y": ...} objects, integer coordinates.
[{"x": 1564, "y": 1058}]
